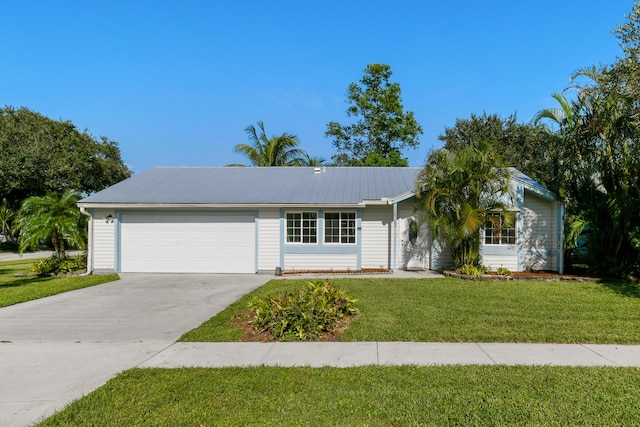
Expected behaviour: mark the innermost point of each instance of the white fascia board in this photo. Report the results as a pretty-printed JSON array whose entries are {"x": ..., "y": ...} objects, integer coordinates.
[
  {"x": 402, "y": 197},
  {"x": 376, "y": 202},
  {"x": 210, "y": 206},
  {"x": 542, "y": 192}
]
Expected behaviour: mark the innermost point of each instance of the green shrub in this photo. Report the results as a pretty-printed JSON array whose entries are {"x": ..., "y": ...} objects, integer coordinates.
[
  {"x": 59, "y": 265},
  {"x": 502, "y": 271},
  {"x": 8, "y": 246},
  {"x": 301, "y": 315},
  {"x": 473, "y": 270}
]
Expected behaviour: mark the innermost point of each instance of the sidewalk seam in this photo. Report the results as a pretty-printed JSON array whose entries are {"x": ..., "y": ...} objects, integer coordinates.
[
  {"x": 485, "y": 352},
  {"x": 598, "y": 354},
  {"x": 156, "y": 354}
]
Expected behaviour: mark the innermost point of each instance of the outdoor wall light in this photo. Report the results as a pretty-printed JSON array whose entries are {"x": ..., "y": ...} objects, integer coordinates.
[{"x": 109, "y": 219}]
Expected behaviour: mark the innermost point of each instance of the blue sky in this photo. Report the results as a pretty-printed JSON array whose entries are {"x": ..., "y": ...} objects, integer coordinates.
[{"x": 176, "y": 82}]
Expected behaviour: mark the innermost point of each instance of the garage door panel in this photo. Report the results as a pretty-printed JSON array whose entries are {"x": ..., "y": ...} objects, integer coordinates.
[{"x": 188, "y": 243}]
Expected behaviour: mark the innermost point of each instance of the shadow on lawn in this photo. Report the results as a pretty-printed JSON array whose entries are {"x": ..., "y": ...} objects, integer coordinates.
[
  {"x": 626, "y": 288},
  {"x": 24, "y": 281}
]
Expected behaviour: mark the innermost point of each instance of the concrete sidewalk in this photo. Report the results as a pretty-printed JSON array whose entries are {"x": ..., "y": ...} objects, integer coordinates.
[{"x": 349, "y": 354}]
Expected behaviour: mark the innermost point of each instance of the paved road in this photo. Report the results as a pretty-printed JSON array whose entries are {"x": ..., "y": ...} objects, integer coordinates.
[
  {"x": 8, "y": 256},
  {"x": 56, "y": 349}
]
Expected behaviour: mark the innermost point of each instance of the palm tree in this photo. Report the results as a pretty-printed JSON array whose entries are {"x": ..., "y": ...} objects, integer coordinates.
[
  {"x": 7, "y": 216},
  {"x": 54, "y": 218},
  {"x": 597, "y": 168},
  {"x": 279, "y": 150},
  {"x": 313, "y": 161},
  {"x": 459, "y": 192}
]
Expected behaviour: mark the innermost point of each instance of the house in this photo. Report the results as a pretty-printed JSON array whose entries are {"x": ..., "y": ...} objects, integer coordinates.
[
  {"x": 535, "y": 241},
  {"x": 252, "y": 219}
]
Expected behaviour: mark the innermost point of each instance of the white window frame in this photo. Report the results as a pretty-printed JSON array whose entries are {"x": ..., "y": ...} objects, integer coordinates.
[
  {"x": 505, "y": 234},
  {"x": 301, "y": 228},
  {"x": 342, "y": 230}
]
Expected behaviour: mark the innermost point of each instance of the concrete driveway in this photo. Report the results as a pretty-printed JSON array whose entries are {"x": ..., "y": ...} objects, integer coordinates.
[{"x": 57, "y": 349}]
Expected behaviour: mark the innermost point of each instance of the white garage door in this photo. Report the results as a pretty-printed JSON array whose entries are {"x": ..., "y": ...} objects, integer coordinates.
[{"x": 187, "y": 244}]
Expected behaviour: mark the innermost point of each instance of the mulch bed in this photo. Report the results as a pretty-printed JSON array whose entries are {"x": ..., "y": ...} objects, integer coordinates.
[
  {"x": 549, "y": 276},
  {"x": 325, "y": 272},
  {"x": 242, "y": 321}
]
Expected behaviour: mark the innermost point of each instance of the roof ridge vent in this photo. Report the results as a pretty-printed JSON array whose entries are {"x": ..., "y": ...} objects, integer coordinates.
[{"x": 317, "y": 170}]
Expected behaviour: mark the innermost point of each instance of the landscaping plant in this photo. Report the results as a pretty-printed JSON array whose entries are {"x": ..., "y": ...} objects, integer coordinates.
[
  {"x": 55, "y": 265},
  {"x": 473, "y": 270},
  {"x": 301, "y": 315},
  {"x": 502, "y": 271}
]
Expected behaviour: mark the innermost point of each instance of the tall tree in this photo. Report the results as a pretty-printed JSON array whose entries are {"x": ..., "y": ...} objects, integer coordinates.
[
  {"x": 382, "y": 128},
  {"x": 279, "y": 150},
  {"x": 559, "y": 137},
  {"x": 314, "y": 161},
  {"x": 519, "y": 144},
  {"x": 52, "y": 218},
  {"x": 461, "y": 191},
  {"x": 39, "y": 155},
  {"x": 598, "y": 138}
]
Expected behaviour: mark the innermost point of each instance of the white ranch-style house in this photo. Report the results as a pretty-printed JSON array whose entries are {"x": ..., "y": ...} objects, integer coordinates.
[{"x": 268, "y": 219}]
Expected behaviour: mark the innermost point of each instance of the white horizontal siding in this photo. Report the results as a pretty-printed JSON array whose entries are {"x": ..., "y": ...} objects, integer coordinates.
[
  {"x": 320, "y": 262},
  {"x": 539, "y": 233},
  {"x": 376, "y": 236},
  {"x": 441, "y": 258},
  {"x": 494, "y": 262},
  {"x": 268, "y": 239},
  {"x": 103, "y": 241}
]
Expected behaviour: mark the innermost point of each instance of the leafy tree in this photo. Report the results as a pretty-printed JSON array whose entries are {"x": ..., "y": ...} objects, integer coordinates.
[
  {"x": 53, "y": 217},
  {"x": 39, "y": 155},
  {"x": 459, "y": 192},
  {"x": 519, "y": 144},
  {"x": 382, "y": 129},
  {"x": 597, "y": 145},
  {"x": 279, "y": 150},
  {"x": 394, "y": 159},
  {"x": 597, "y": 138}
]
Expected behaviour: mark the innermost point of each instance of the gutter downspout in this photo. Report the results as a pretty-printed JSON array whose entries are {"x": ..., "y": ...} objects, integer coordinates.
[
  {"x": 561, "y": 212},
  {"x": 89, "y": 242},
  {"x": 395, "y": 237}
]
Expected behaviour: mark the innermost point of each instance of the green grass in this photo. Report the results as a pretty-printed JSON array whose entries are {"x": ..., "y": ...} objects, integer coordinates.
[
  {"x": 14, "y": 290},
  {"x": 455, "y": 310},
  {"x": 366, "y": 396}
]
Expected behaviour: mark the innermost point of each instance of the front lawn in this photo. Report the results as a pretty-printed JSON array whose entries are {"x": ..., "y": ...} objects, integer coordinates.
[
  {"x": 14, "y": 290},
  {"x": 372, "y": 396},
  {"x": 455, "y": 310}
]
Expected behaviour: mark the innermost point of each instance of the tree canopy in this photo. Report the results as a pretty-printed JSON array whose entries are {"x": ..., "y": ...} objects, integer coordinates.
[
  {"x": 53, "y": 218},
  {"x": 596, "y": 139},
  {"x": 382, "y": 128},
  {"x": 280, "y": 150},
  {"x": 39, "y": 155},
  {"x": 459, "y": 192},
  {"x": 521, "y": 145}
]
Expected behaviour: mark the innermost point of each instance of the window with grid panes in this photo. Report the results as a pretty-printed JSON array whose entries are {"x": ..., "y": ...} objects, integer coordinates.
[
  {"x": 302, "y": 227},
  {"x": 495, "y": 233},
  {"x": 340, "y": 227}
]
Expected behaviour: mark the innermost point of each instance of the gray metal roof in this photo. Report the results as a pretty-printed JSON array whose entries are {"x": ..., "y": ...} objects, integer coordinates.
[
  {"x": 259, "y": 186},
  {"x": 531, "y": 184}
]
